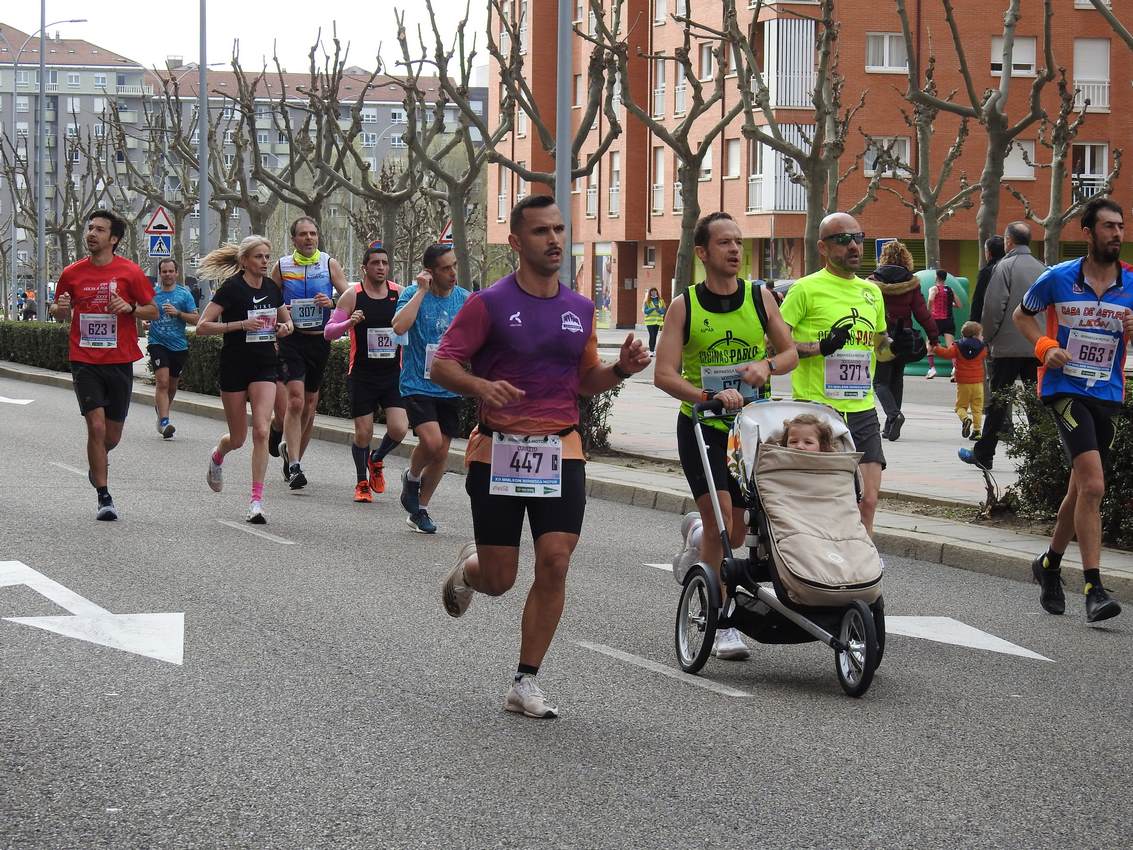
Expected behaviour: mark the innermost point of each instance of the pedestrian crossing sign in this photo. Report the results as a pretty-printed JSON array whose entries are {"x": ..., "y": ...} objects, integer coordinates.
[{"x": 160, "y": 245}]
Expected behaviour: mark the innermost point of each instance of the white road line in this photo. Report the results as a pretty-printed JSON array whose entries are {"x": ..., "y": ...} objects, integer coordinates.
[
  {"x": 70, "y": 468},
  {"x": 243, "y": 526},
  {"x": 5, "y": 400},
  {"x": 666, "y": 567},
  {"x": 949, "y": 630},
  {"x": 654, "y": 667}
]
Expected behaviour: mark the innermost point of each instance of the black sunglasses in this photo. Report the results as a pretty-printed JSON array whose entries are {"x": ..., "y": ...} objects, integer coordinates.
[{"x": 845, "y": 238}]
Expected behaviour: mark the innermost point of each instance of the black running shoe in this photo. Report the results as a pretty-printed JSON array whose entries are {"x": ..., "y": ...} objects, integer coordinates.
[
  {"x": 286, "y": 461},
  {"x": 297, "y": 479},
  {"x": 108, "y": 513},
  {"x": 1099, "y": 605},
  {"x": 1051, "y": 596},
  {"x": 274, "y": 438},
  {"x": 885, "y": 428},
  {"x": 895, "y": 428}
]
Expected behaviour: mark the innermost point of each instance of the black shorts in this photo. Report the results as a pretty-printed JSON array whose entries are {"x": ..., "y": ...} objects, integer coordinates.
[
  {"x": 866, "y": 431},
  {"x": 368, "y": 394},
  {"x": 161, "y": 357},
  {"x": 303, "y": 357},
  {"x": 1084, "y": 425},
  {"x": 498, "y": 520},
  {"x": 426, "y": 408},
  {"x": 717, "y": 442},
  {"x": 236, "y": 373},
  {"x": 946, "y": 326},
  {"x": 108, "y": 386}
]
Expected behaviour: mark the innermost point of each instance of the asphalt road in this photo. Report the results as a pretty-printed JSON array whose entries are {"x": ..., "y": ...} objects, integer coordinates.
[{"x": 326, "y": 700}]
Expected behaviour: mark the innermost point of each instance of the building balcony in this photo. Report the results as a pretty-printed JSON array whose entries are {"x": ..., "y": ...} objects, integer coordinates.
[
  {"x": 1095, "y": 91},
  {"x": 501, "y": 207},
  {"x": 754, "y": 192},
  {"x": 614, "y": 202},
  {"x": 659, "y": 102},
  {"x": 135, "y": 90},
  {"x": 678, "y": 198},
  {"x": 1087, "y": 185},
  {"x": 592, "y": 202},
  {"x": 51, "y": 88},
  {"x": 658, "y": 199}
]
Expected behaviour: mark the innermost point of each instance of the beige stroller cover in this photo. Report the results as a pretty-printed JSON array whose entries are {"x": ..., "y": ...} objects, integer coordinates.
[{"x": 820, "y": 549}]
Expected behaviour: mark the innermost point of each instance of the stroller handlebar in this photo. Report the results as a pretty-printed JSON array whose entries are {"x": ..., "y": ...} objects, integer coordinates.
[{"x": 713, "y": 405}]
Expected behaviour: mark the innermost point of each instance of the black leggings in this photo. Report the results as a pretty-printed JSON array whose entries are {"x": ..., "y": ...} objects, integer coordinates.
[
  {"x": 653, "y": 336},
  {"x": 889, "y": 384}
]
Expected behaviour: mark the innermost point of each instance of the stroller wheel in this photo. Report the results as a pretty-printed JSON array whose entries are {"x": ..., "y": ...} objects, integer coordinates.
[
  {"x": 855, "y": 664},
  {"x": 697, "y": 615}
]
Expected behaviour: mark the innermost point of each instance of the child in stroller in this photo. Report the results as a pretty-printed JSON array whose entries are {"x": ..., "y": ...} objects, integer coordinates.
[{"x": 812, "y": 573}]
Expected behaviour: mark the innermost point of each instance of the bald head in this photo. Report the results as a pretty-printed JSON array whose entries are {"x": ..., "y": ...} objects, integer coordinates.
[{"x": 838, "y": 222}]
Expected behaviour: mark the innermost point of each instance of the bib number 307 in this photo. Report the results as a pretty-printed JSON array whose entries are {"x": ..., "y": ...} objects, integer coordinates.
[{"x": 526, "y": 466}]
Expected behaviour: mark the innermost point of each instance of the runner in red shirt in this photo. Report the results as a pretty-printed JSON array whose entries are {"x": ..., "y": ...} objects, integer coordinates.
[{"x": 107, "y": 294}]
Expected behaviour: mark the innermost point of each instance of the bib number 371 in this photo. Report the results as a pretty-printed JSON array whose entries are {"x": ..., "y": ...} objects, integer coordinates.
[{"x": 526, "y": 466}]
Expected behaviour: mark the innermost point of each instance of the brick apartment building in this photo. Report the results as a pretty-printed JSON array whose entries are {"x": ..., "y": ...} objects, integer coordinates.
[{"x": 627, "y": 213}]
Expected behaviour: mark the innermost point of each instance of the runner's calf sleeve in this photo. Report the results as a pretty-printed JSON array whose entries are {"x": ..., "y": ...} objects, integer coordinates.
[
  {"x": 387, "y": 446},
  {"x": 360, "y": 454}
]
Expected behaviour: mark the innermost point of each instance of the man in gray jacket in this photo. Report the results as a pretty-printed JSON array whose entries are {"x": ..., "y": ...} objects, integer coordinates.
[{"x": 1011, "y": 356}]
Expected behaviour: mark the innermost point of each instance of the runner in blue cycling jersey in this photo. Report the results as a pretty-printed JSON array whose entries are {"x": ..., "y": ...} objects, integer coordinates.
[{"x": 1089, "y": 318}]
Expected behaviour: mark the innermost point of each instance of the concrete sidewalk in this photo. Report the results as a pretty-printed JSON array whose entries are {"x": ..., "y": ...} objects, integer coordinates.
[{"x": 978, "y": 548}]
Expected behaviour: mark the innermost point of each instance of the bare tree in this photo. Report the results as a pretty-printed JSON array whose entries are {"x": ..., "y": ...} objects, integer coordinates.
[
  {"x": 812, "y": 157},
  {"x": 929, "y": 196},
  {"x": 1058, "y": 137},
  {"x": 990, "y": 108},
  {"x": 690, "y": 154},
  {"x": 456, "y": 165},
  {"x": 516, "y": 94}
]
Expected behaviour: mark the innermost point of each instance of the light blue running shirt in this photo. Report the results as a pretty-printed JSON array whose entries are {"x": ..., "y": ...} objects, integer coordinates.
[{"x": 433, "y": 319}]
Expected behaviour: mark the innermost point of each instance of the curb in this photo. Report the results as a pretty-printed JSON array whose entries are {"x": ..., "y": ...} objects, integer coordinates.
[{"x": 604, "y": 482}]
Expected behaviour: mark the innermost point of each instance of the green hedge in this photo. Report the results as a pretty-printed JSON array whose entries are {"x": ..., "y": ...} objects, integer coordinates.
[
  {"x": 42, "y": 344},
  {"x": 203, "y": 366},
  {"x": 1044, "y": 471}
]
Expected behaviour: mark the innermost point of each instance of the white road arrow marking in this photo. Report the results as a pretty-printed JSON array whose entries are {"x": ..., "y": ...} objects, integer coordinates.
[
  {"x": 243, "y": 526},
  {"x": 5, "y": 400},
  {"x": 948, "y": 630},
  {"x": 68, "y": 468},
  {"x": 666, "y": 567},
  {"x": 664, "y": 670},
  {"x": 160, "y": 636}
]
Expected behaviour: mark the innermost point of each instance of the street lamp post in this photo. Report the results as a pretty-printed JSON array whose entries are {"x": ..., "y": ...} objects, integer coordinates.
[
  {"x": 204, "y": 188},
  {"x": 12, "y": 138},
  {"x": 565, "y": 78}
]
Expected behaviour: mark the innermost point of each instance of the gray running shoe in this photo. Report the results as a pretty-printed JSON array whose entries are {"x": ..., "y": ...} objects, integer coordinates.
[
  {"x": 410, "y": 494},
  {"x": 456, "y": 596},
  {"x": 215, "y": 475},
  {"x": 256, "y": 513},
  {"x": 106, "y": 510},
  {"x": 729, "y": 646},
  {"x": 527, "y": 699}
]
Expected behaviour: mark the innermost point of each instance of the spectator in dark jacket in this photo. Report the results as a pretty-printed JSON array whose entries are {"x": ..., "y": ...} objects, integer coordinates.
[
  {"x": 903, "y": 301},
  {"x": 993, "y": 253}
]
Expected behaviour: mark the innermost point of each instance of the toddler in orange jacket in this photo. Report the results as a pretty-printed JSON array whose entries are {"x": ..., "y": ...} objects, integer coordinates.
[{"x": 968, "y": 355}]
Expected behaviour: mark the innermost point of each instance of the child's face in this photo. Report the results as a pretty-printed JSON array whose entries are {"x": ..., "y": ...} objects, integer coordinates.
[{"x": 804, "y": 438}]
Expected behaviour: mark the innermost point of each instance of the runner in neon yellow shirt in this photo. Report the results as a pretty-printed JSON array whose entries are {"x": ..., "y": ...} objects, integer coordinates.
[{"x": 838, "y": 322}]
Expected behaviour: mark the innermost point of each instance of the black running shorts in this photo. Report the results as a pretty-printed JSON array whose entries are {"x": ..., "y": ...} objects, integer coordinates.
[
  {"x": 303, "y": 357},
  {"x": 866, "y": 431},
  {"x": 717, "y": 442},
  {"x": 108, "y": 386},
  {"x": 161, "y": 357},
  {"x": 236, "y": 373},
  {"x": 498, "y": 520},
  {"x": 369, "y": 394},
  {"x": 426, "y": 408},
  {"x": 1083, "y": 425}
]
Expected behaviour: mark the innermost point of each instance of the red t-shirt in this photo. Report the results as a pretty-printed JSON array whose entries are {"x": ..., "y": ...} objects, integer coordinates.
[{"x": 97, "y": 336}]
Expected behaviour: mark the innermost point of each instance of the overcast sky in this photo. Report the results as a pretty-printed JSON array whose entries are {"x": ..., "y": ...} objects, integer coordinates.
[{"x": 149, "y": 31}]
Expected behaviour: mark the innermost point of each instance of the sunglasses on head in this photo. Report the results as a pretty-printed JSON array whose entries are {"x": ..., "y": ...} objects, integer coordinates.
[{"x": 845, "y": 238}]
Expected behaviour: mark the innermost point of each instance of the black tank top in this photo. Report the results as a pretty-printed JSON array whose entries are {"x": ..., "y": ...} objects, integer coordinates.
[{"x": 378, "y": 313}]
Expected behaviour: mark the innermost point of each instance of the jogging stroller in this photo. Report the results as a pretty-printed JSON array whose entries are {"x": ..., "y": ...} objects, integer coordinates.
[{"x": 811, "y": 573}]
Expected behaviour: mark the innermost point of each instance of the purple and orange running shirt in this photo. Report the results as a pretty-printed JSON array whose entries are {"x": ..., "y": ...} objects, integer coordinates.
[{"x": 542, "y": 346}]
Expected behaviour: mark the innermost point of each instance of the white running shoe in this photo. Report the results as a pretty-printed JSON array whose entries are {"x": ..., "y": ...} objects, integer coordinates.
[
  {"x": 527, "y": 699},
  {"x": 729, "y": 646},
  {"x": 455, "y": 594},
  {"x": 215, "y": 475},
  {"x": 691, "y": 532},
  {"x": 930, "y": 374},
  {"x": 256, "y": 513}
]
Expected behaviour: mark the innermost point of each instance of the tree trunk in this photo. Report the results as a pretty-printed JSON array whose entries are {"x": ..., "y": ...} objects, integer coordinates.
[
  {"x": 689, "y": 174},
  {"x": 456, "y": 199},
  {"x": 1055, "y": 218},
  {"x": 222, "y": 236},
  {"x": 987, "y": 216},
  {"x": 179, "y": 235},
  {"x": 815, "y": 212},
  {"x": 930, "y": 221}
]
